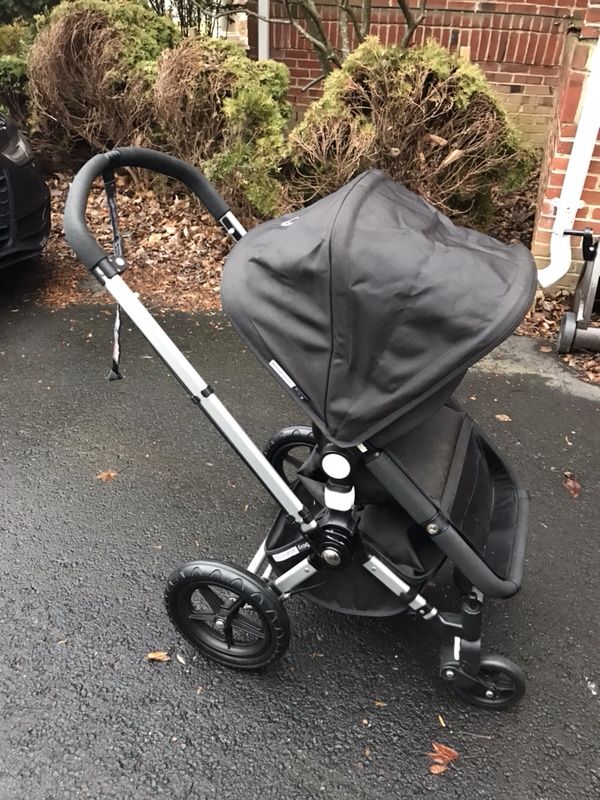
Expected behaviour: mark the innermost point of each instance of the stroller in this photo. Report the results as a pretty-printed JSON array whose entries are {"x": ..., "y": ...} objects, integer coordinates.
[{"x": 367, "y": 307}]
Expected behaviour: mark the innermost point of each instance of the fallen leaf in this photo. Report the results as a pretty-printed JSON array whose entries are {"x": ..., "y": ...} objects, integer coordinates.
[
  {"x": 157, "y": 655},
  {"x": 379, "y": 704},
  {"x": 452, "y": 157},
  {"x": 366, "y": 751},
  {"x": 572, "y": 485},
  {"x": 441, "y": 757},
  {"x": 437, "y": 139},
  {"x": 443, "y": 751},
  {"x": 545, "y": 349},
  {"x": 107, "y": 475},
  {"x": 441, "y": 719},
  {"x": 438, "y": 769},
  {"x": 179, "y": 658},
  {"x": 503, "y": 418}
]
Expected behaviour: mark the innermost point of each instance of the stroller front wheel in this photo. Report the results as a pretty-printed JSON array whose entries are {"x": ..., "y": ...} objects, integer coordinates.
[
  {"x": 228, "y": 614},
  {"x": 500, "y": 684}
]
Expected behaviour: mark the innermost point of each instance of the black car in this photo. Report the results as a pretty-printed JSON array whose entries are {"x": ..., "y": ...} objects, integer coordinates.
[{"x": 24, "y": 198}]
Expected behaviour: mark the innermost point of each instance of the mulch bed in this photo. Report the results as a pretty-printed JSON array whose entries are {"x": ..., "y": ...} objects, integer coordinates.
[
  {"x": 174, "y": 251},
  {"x": 175, "y": 254}
]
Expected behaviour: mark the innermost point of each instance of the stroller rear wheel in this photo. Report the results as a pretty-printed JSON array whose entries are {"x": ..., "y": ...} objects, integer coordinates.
[
  {"x": 500, "y": 684},
  {"x": 228, "y": 614},
  {"x": 289, "y": 449}
]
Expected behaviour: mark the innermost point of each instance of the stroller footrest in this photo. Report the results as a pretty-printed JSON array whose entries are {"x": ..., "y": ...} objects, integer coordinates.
[{"x": 494, "y": 521}]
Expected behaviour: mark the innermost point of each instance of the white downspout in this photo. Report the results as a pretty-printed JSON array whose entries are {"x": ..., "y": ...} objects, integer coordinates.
[
  {"x": 264, "y": 11},
  {"x": 569, "y": 201}
]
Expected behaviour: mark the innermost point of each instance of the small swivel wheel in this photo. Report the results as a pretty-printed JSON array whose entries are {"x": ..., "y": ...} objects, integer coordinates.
[
  {"x": 228, "y": 614},
  {"x": 499, "y": 684},
  {"x": 288, "y": 450},
  {"x": 566, "y": 333}
]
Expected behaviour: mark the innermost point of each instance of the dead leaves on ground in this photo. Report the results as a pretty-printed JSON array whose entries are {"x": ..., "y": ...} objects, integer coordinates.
[
  {"x": 158, "y": 656},
  {"x": 543, "y": 322},
  {"x": 107, "y": 475},
  {"x": 572, "y": 485},
  {"x": 441, "y": 758},
  {"x": 503, "y": 418},
  {"x": 174, "y": 250},
  {"x": 163, "y": 657}
]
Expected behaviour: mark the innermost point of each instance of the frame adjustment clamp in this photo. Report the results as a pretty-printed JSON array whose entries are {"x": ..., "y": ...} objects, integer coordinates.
[{"x": 108, "y": 267}]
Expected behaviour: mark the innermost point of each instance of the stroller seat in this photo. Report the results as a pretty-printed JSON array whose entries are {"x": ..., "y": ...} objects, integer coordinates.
[{"x": 452, "y": 462}]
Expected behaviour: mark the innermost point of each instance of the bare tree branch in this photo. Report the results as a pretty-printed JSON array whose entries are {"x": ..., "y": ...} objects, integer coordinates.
[
  {"x": 325, "y": 50},
  {"x": 351, "y": 14},
  {"x": 366, "y": 18},
  {"x": 412, "y": 21},
  {"x": 314, "y": 82},
  {"x": 343, "y": 19}
]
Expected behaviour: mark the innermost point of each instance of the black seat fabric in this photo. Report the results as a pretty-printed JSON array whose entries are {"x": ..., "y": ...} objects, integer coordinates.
[
  {"x": 451, "y": 461},
  {"x": 431, "y": 453}
]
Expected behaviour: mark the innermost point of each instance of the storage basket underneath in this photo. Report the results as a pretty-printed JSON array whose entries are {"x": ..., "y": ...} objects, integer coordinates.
[{"x": 388, "y": 531}]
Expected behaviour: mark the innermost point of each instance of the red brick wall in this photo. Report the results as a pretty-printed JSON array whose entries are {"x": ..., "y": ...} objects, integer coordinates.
[{"x": 518, "y": 45}]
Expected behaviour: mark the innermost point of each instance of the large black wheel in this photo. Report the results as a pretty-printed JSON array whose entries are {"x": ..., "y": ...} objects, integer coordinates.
[
  {"x": 500, "y": 684},
  {"x": 228, "y": 614},
  {"x": 289, "y": 449}
]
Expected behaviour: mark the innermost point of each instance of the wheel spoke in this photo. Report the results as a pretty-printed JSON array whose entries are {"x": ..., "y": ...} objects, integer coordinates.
[
  {"x": 234, "y": 607},
  {"x": 202, "y": 616},
  {"x": 294, "y": 462},
  {"x": 243, "y": 624},
  {"x": 228, "y": 635},
  {"x": 212, "y": 598}
]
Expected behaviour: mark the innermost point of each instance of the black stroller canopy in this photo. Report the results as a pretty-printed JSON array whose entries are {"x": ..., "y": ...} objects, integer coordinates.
[{"x": 370, "y": 301}]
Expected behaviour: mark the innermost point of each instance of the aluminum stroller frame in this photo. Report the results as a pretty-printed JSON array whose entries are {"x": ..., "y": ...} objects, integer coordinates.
[{"x": 248, "y": 604}]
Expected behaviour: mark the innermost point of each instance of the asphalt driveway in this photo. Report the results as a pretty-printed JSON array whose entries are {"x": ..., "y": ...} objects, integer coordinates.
[{"x": 82, "y": 565}]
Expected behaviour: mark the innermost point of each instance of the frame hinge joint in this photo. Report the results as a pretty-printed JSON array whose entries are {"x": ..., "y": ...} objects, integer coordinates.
[{"x": 437, "y": 524}]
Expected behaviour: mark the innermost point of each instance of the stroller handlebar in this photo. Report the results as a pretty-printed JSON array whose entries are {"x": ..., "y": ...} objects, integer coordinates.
[{"x": 78, "y": 234}]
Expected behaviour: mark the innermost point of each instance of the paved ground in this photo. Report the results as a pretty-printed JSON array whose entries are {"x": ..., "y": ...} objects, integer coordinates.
[{"x": 82, "y": 566}]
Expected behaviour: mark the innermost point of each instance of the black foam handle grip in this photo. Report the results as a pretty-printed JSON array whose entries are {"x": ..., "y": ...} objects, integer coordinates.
[{"x": 77, "y": 232}]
